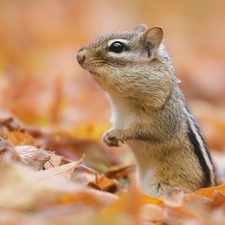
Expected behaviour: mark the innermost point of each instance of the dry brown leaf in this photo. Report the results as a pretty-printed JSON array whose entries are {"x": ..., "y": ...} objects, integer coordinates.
[
  {"x": 19, "y": 138},
  {"x": 118, "y": 172},
  {"x": 97, "y": 157},
  {"x": 8, "y": 151},
  {"x": 8, "y": 123},
  {"x": 72, "y": 148},
  {"x": 103, "y": 183},
  {"x": 55, "y": 161},
  {"x": 64, "y": 171},
  {"x": 33, "y": 157},
  {"x": 25, "y": 189},
  {"x": 6, "y": 146}
]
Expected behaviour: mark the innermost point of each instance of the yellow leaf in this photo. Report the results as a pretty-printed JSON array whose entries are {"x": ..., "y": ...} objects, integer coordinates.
[{"x": 150, "y": 200}]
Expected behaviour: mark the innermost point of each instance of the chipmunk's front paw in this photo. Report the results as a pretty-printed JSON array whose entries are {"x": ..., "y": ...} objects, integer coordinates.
[{"x": 111, "y": 138}]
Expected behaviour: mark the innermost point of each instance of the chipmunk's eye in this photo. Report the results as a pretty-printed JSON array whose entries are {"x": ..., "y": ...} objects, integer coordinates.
[{"x": 116, "y": 47}]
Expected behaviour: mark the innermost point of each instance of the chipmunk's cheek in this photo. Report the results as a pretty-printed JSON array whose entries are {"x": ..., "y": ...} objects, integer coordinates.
[{"x": 94, "y": 69}]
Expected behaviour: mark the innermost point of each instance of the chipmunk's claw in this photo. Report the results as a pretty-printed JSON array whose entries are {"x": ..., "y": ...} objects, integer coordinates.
[{"x": 110, "y": 139}]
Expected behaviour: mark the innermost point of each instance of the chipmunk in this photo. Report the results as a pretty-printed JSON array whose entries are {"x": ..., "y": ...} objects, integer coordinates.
[{"x": 149, "y": 112}]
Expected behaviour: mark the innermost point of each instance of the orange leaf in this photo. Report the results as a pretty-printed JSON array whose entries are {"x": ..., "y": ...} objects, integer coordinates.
[
  {"x": 19, "y": 138},
  {"x": 150, "y": 200},
  {"x": 103, "y": 183},
  {"x": 209, "y": 192},
  {"x": 90, "y": 197},
  {"x": 218, "y": 199},
  {"x": 128, "y": 204}
]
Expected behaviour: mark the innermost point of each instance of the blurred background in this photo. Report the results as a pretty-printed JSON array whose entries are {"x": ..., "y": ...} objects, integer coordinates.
[{"x": 42, "y": 84}]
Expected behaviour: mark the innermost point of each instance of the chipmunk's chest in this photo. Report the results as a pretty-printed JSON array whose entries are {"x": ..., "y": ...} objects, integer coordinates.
[{"x": 123, "y": 115}]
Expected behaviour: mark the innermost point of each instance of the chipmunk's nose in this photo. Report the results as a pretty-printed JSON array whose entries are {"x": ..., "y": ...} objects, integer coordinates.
[{"x": 81, "y": 55}]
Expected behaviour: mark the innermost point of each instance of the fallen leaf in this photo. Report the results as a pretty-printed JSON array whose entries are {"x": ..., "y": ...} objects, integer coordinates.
[
  {"x": 55, "y": 161},
  {"x": 129, "y": 204},
  {"x": 96, "y": 155},
  {"x": 90, "y": 197},
  {"x": 176, "y": 215},
  {"x": 209, "y": 192},
  {"x": 83, "y": 175},
  {"x": 23, "y": 188},
  {"x": 8, "y": 123},
  {"x": 7, "y": 150},
  {"x": 103, "y": 183},
  {"x": 33, "y": 157},
  {"x": 64, "y": 171},
  {"x": 6, "y": 146},
  {"x": 150, "y": 200},
  {"x": 197, "y": 201},
  {"x": 175, "y": 197},
  {"x": 19, "y": 138},
  {"x": 152, "y": 213},
  {"x": 118, "y": 172},
  {"x": 218, "y": 199}
]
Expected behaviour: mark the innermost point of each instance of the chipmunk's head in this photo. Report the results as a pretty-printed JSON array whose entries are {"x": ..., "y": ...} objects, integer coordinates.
[{"x": 128, "y": 62}]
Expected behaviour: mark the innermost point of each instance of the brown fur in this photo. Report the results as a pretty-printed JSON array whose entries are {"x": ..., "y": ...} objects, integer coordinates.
[{"x": 149, "y": 110}]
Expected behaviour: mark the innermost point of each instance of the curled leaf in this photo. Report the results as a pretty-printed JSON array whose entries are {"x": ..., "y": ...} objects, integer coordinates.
[
  {"x": 33, "y": 157},
  {"x": 103, "y": 183},
  {"x": 64, "y": 171}
]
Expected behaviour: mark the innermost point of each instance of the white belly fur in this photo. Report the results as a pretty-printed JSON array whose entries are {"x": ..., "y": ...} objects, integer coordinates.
[
  {"x": 146, "y": 174},
  {"x": 124, "y": 117}
]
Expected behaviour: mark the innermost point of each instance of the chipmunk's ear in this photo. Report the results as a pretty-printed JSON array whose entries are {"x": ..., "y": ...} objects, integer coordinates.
[
  {"x": 153, "y": 37},
  {"x": 140, "y": 27}
]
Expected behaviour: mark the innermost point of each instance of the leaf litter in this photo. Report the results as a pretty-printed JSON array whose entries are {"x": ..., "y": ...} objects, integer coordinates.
[
  {"x": 44, "y": 177},
  {"x": 39, "y": 186}
]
